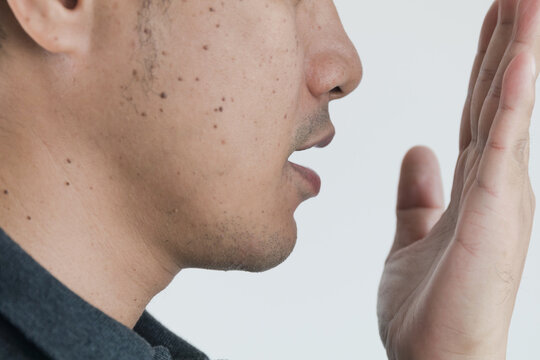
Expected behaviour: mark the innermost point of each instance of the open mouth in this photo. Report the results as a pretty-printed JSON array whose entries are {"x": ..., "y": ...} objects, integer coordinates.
[{"x": 309, "y": 176}]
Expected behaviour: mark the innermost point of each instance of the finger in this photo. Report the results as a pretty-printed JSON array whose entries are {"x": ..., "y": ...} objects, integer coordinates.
[
  {"x": 525, "y": 38},
  {"x": 505, "y": 158},
  {"x": 486, "y": 34},
  {"x": 420, "y": 201},
  {"x": 496, "y": 49}
]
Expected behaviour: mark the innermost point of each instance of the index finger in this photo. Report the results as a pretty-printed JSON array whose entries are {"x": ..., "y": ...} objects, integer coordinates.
[{"x": 488, "y": 27}]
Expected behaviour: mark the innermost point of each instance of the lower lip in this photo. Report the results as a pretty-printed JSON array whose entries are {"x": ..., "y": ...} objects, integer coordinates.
[{"x": 310, "y": 176}]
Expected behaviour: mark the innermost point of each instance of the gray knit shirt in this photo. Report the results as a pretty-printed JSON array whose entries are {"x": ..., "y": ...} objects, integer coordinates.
[{"x": 40, "y": 318}]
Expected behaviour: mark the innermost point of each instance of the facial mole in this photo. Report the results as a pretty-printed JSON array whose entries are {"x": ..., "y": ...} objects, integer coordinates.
[
  {"x": 29, "y": 217},
  {"x": 67, "y": 183},
  {"x": 197, "y": 79},
  {"x": 68, "y": 160},
  {"x": 223, "y": 142},
  {"x": 163, "y": 95},
  {"x": 164, "y": 53},
  {"x": 143, "y": 114},
  {"x": 180, "y": 78},
  {"x": 211, "y": 9},
  {"x": 215, "y": 126},
  {"x": 6, "y": 192},
  {"x": 205, "y": 47}
]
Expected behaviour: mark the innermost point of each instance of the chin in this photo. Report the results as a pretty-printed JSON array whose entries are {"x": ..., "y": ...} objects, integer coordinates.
[
  {"x": 248, "y": 250},
  {"x": 274, "y": 251}
]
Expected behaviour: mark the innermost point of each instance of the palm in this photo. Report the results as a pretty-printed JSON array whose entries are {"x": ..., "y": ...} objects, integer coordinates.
[{"x": 451, "y": 278}]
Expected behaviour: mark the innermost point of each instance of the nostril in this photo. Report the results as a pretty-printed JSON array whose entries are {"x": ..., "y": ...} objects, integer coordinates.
[
  {"x": 69, "y": 4},
  {"x": 336, "y": 91}
]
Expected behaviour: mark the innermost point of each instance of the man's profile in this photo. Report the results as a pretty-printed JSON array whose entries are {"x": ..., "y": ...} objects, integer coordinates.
[{"x": 139, "y": 138}]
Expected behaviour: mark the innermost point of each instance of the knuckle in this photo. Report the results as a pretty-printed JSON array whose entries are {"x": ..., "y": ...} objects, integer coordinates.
[
  {"x": 495, "y": 91},
  {"x": 505, "y": 107},
  {"x": 486, "y": 75},
  {"x": 486, "y": 187},
  {"x": 521, "y": 151},
  {"x": 496, "y": 145}
]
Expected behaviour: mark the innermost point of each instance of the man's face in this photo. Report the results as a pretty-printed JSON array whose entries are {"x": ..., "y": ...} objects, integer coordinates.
[{"x": 203, "y": 102}]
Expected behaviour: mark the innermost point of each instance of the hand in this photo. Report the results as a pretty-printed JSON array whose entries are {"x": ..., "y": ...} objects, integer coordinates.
[{"x": 451, "y": 278}]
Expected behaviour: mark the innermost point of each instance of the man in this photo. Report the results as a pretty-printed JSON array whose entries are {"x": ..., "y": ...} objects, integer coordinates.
[{"x": 140, "y": 138}]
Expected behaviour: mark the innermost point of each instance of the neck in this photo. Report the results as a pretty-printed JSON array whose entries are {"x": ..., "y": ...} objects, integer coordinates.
[{"x": 62, "y": 203}]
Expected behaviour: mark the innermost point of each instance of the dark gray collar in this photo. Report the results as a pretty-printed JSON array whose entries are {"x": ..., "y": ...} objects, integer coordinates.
[{"x": 64, "y": 326}]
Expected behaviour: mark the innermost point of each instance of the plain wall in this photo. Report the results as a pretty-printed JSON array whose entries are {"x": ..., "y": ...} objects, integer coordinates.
[{"x": 320, "y": 303}]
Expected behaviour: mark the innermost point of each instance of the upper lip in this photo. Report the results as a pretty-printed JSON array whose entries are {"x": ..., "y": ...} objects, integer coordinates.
[{"x": 320, "y": 142}]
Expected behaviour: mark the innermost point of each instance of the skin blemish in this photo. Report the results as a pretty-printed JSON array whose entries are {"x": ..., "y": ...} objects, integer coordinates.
[
  {"x": 6, "y": 192},
  {"x": 164, "y": 53},
  {"x": 223, "y": 99},
  {"x": 220, "y": 109},
  {"x": 286, "y": 115},
  {"x": 143, "y": 114},
  {"x": 197, "y": 79},
  {"x": 160, "y": 110},
  {"x": 205, "y": 47},
  {"x": 67, "y": 183},
  {"x": 91, "y": 188},
  {"x": 218, "y": 25},
  {"x": 211, "y": 9},
  {"x": 215, "y": 126},
  {"x": 223, "y": 142},
  {"x": 180, "y": 78},
  {"x": 68, "y": 160},
  {"x": 29, "y": 217},
  {"x": 163, "y": 95}
]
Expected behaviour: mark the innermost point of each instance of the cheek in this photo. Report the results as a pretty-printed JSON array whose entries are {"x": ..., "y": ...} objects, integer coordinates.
[{"x": 233, "y": 87}]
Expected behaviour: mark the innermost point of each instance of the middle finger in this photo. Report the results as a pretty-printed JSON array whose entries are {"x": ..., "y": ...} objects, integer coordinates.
[{"x": 495, "y": 52}]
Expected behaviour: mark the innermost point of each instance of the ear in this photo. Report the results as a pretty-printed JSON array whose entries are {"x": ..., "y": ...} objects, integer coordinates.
[{"x": 58, "y": 26}]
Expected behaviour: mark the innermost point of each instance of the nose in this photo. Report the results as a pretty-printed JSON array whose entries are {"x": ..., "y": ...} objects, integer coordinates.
[{"x": 332, "y": 65}]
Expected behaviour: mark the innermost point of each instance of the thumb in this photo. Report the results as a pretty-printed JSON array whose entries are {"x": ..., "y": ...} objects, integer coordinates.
[{"x": 420, "y": 202}]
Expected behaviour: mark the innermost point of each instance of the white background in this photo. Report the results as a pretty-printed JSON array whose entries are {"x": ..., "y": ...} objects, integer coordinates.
[{"x": 320, "y": 303}]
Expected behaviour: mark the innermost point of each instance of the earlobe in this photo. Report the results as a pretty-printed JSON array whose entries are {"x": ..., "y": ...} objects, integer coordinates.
[{"x": 58, "y": 26}]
